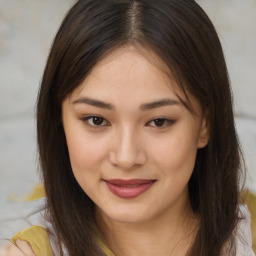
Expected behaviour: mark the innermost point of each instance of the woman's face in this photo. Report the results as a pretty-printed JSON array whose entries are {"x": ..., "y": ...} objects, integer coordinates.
[{"x": 132, "y": 143}]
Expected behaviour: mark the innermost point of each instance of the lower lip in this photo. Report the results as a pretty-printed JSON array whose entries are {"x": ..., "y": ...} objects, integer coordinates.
[{"x": 129, "y": 191}]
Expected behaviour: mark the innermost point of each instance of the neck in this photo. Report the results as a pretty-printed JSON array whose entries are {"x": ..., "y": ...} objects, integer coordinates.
[{"x": 161, "y": 236}]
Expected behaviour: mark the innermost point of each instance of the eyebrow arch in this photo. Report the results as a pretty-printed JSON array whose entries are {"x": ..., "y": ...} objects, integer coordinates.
[
  {"x": 93, "y": 102},
  {"x": 159, "y": 103}
]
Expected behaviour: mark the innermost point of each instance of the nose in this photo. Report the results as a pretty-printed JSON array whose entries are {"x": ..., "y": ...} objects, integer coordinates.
[{"x": 127, "y": 150}]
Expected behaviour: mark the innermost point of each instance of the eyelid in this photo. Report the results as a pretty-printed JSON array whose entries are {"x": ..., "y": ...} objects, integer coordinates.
[
  {"x": 168, "y": 122},
  {"x": 86, "y": 119}
]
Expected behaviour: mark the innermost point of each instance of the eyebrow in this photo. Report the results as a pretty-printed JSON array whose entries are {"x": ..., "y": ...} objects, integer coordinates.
[
  {"x": 143, "y": 107},
  {"x": 159, "y": 103},
  {"x": 93, "y": 102}
]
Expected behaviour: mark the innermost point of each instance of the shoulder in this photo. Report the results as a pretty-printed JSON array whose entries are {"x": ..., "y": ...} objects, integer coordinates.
[
  {"x": 34, "y": 238},
  {"x": 18, "y": 249},
  {"x": 243, "y": 233}
]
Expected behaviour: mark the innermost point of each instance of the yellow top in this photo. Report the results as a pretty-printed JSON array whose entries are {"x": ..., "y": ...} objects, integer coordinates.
[{"x": 38, "y": 239}]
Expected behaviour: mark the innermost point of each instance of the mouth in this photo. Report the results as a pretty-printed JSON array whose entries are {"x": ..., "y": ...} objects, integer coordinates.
[{"x": 129, "y": 188}]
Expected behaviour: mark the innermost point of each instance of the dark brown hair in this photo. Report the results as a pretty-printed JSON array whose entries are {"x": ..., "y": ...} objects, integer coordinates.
[{"x": 183, "y": 37}]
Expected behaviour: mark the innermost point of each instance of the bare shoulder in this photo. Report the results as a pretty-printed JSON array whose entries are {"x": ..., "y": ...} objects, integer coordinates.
[{"x": 20, "y": 249}]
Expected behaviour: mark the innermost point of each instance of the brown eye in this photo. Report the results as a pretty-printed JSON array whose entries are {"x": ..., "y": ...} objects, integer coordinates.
[
  {"x": 160, "y": 122},
  {"x": 96, "y": 121}
]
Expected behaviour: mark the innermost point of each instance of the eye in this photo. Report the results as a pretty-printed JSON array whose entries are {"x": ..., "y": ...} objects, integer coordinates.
[
  {"x": 95, "y": 121},
  {"x": 160, "y": 122}
]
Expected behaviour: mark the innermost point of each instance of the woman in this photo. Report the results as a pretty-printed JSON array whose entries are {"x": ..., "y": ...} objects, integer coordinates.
[{"x": 136, "y": 137}]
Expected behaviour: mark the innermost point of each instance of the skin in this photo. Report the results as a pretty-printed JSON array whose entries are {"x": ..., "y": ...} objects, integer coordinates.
[
  {"x": 131, "y": 138},
  {"x": 20, "y": 249}
]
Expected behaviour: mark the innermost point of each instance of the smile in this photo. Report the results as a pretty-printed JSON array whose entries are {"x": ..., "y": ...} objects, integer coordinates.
[{"x": 129, "y": 188}]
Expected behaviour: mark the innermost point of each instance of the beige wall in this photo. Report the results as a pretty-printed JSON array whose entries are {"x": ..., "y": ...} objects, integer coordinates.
[
  {"x": 26, "y": 31},
  {"x": 235, "y": 21}
]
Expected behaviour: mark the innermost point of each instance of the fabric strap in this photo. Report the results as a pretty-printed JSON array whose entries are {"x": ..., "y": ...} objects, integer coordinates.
[{"x": 38, "y": 238}]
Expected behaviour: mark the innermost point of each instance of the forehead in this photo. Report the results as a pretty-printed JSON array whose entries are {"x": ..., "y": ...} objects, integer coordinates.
[
  {"x": 137, "y": 74},
  {"x": 128, "y": 66}
]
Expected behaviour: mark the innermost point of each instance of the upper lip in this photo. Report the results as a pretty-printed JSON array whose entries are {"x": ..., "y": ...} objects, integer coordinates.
[{"x": 122, "y": 182}]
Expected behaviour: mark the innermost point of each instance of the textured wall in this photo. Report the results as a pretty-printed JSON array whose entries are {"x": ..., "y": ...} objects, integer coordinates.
[
  {"x": 26, "y": 31},
  {"x": 27, "y": 28},
  {"x": 235, "y": 21}
]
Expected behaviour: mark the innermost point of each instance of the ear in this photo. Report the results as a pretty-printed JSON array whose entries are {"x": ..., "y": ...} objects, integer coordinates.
[{"x": 204, "y": 134}]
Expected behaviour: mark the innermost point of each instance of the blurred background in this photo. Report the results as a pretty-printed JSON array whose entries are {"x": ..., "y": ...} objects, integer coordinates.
[{"x": 27, "y": 28}]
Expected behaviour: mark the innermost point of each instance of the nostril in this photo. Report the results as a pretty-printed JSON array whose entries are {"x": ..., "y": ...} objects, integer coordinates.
[{"x": 127, "y": 160}]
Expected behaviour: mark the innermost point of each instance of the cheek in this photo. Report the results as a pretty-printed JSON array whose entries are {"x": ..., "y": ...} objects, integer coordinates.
[
  {"x": 176, "y": 155},
  {"x": 84, "y": 151},
  {"x": 86, "y": 160}
]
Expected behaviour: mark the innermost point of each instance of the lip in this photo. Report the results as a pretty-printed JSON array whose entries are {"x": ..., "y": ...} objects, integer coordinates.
[{"x": 129, "y": 188}]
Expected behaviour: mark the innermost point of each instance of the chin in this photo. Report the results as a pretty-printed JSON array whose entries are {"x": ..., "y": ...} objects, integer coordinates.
[{"x": 128, "y": 216}]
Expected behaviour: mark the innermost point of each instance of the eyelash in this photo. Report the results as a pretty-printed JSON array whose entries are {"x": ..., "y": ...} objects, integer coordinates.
[
  {"x": 164, "y": 122},
  {"x": 93, "y": 118}
]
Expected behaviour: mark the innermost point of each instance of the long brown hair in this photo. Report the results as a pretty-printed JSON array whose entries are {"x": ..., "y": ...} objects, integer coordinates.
[{"x": 183, "y": 37}]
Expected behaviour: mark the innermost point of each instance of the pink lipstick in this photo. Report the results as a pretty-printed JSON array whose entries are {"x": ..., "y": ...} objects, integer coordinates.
[{"x": 128, "y": 188}]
